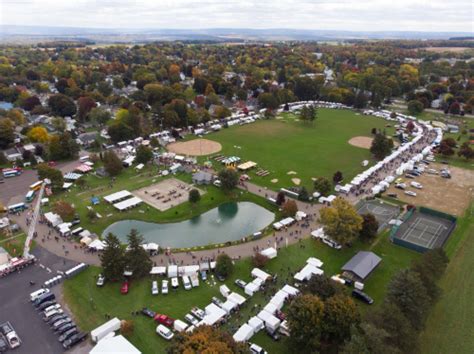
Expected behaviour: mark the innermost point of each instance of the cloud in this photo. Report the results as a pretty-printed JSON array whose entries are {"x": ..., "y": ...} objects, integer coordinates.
[{"x": 368, "y": 15}]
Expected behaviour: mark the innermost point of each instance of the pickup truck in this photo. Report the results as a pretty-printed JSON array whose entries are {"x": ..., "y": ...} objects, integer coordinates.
[{"x": 12, "y": 338}]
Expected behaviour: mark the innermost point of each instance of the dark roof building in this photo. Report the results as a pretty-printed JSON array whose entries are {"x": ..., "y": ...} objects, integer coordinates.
[
  {"x": 361, "y": 265},
  {"x": 202, "y": 177}
]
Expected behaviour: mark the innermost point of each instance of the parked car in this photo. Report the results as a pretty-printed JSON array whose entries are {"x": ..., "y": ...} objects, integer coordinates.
[
  {"x": 10, "y": 335},
  {"x": 100, "y": 280},
  {"x": 191, "y": 319},
  {"x": 43, "y": 298},
  {"x": 76, "y": 338},
  {"x": 125, "y": 287},
  {"x": 66, "y": 327},
  {"x": 174, "y": 283},
  {"x": 410, "y": 193},
  {"x": 332, "y": 243},
  {"x": 196, "y": 311},
  {"x": 163, "y": 319},
  {"x": 164, "y": 332},
  {"x": 240, "y": 283},
  {"x": 416, "y": 185},
  {"x": 256, "y": 349},
  {"x": 154, "y": 287},
  {"x": 49, "y": 315},
  {"x": 400, "y": 185},
  {"x": 59, "y": 323},
  {"x": 52, "y": 307},
  {"x": 187, "y": 283},
  {"x": 58, "y": 316},
  {"x": 3, "y": 344},
  {"x": 164, "y": 287},
  {"x": 220, "y": 277},
  {"x": 68, "y": 334},
  {"x": 45, "y": 305},
  {"x": 149, "y": 313},
  {"x": 360, "y": 295},
  {"x": 203, "y": 275},
  {"x": 216, "y": 301}
]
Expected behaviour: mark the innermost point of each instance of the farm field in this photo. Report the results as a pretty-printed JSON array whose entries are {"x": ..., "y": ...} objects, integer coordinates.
[
  {"x": 90, "y": 304},
  {"x": 450, "y": 325},
  {"x": 285, "y": 144}
]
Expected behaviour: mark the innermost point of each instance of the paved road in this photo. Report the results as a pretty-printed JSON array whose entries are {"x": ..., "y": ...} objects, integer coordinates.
[{"x": 15, "y": 306}]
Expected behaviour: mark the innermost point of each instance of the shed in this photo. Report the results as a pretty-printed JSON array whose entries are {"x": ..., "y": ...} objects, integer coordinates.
[{"x": 362, "y": 264}]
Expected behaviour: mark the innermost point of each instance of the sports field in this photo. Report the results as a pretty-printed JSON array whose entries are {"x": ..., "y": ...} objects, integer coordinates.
[{"x": 285, "y": 144}]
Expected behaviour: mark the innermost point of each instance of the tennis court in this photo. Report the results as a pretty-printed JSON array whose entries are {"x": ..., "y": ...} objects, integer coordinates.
[
  {"x": 425, "y": 231},
  {"x": 382, "y": 211}
]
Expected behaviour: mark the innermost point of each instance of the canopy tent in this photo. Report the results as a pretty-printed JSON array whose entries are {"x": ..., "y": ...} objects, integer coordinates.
[
  {"x": 270, "y": 252},
  {"x": 114, "y": 345},
  {"x": 67, "y": 185},
  {"x": 83, "y": 168},
  {"x": 112, "y": 198},
  {"x": 231, "y": 160},
  {"x": 150, "y": 246},
  {"x": 98, "y": 245},
  {"x": 307, "y": 272},
  {"x": 128, "y": 203},
  {"x": 251, "y": 289},
  {"x": 86, "y": 240},
  {"x": 271, "y": 322},
  {"x": 258, "y": 273},
  {"x": 257, "y": 281},
  {"x": 213, "y": 315},
  {"x": 85, "y": 233},
  {"x": 53, "y": 219},
  {"x": 278, "y": 300},
  {"x": 224, "y": 290},
  {"x": 271, "y": 308},
  {"x": 290, "y": 290},
  {"x": 71, "y": 176},
  {"x": 237, "y": 298},
  {"x": 172, "y": 271},
  {"x": 188, "y": 270},
  {"x": 158, "y": 271},
  {"x": 300, "y": 215},
  {"x": 247, "y": 165},
  {"x": 229, "y": 306},
  {"x": 314, "y": 262},
  {"x": 244, "y": 333},
  {"x": 256, "y": 323}
]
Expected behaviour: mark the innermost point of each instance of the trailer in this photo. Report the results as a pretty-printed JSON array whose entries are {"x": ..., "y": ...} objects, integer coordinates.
[{"x": 103, "y": 330}]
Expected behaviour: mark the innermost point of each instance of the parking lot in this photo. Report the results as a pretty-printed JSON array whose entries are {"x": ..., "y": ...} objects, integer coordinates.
[{"x": 15, "y": 307}]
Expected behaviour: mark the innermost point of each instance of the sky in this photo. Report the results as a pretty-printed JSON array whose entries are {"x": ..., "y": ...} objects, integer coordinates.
[{"x": 353, "y": 15}]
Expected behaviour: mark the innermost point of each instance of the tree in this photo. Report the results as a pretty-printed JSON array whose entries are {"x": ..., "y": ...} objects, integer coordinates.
[
  {"x": 62, "y": 146},
  {"x": 3, "y": 158},
  {"x": 308, "y": 113},
  {"x": 280, "y": 199},
  {"x": 194, "y": 196},
  {"x": 360, "y": 100},
  {"x": 303, "y": 194},
  {"x": 305, "y": 316},
  {"x": 306, "y": 89},
  {"x": 7, "y": 132},
  {"x": 323, "y": 287},
  {"x": 85, "y": 105},
  {"x": 53, "y": 174},
  {"x": 112, "y": 259},
  {"x": 206, "y": 340},
  {"x": 268, "y": 100},
  {"x": 38, "y": 134},
  {"x": 144, "y": 154},
  {"x": 99, "y": 115},
  {"x": 137, "y": 259},
  {"x": 368, "y": 339},
  {"x": 380, "y": 146},
  {"x": 62, "y": 105},
  {"x": 341, "y": 221},
  {"x": 466, "y": 151},
  {"x": 410, "y": 127},
  {"x": 127, "y": 327},
  {"x": 337, "y": 177},
  {"x": 31, "y": 102},
  {"x": 259, "y": 260},
  {"x": 407, "y": 292},
  {"x": 65, "y": 210},
  {"x": 224, "y": 265},
  {"x": 445, "y": 149},
  {"x": 340, "y": 314},
  {"x": 229, "y": 178},
  {"x": 455, "y": 108},
  {"x": 112, "y": 163},
  {"x": 370, "y": 226},
  {"x": 289, "y": 208},
  {"x": 415, "y": 107},
  {"x": 323, "y": 186}
]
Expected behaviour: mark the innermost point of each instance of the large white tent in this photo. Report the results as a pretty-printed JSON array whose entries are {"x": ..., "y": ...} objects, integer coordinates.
[
  {"x": 244, "y": 333},
  {"x": 112, "y": 198},
  {"x": 237, "y": 298},
  {"x": 114, "y": 345},
  {"x": 258, "y": 273}
]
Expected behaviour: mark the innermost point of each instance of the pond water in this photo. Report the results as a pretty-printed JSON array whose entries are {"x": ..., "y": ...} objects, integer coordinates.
[
  {"x": 227, "y": 222},
  {"x": 6, "y": 105}
]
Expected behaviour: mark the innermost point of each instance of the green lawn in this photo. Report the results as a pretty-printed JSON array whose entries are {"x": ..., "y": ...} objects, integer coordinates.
[
  {"x": 310, "y": 149},
  {"x": 13, "y": 244},
  {"x": 450, "y": 326},
  {"x": 90, "y": 304}
]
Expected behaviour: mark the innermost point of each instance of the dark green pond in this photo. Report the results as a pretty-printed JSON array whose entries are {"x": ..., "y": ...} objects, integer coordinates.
[{"x": 228, "y": 222}]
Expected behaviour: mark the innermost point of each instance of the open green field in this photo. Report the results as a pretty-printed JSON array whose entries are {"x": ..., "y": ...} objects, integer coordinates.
[
  {"x": 90, "y": 304},
  {"x": 14, "y": 243},
  {"x": 311, "y": 150},
  {"x": 130, "y": 180},
  {"x": 450, "y": 326}
]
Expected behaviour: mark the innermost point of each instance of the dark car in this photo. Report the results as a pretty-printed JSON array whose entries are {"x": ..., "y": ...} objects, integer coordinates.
[
  {"x": 76, "y": 338},
  {"x": 57, "y": 317},
  {"x": 149, "y": 313},
  {"x": 65, "y": 327},
  {"x": 3, "y": 344},
  {"x": 240, "y": 283},
  {"x": 273, "y": 335},
  {"x": 68, "y": 334},
  {"x": 45, "y": 305},
  {"x": 61, "y": 322},
  {"x": 220, "y": 277},
  {"x": 43, "y": 298},
  {"x": 358, "y": 294}
]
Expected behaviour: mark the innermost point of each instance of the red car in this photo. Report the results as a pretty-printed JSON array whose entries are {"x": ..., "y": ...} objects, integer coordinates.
[
  {"x": 165, "y": 320},
  {"x": 124, "y": 288},
  {"x": 52, "y": 164}
]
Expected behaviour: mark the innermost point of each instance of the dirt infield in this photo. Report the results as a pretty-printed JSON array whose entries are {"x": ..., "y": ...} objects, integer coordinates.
[
  {"x": 363, "y": 142},
  {"x": 196, "y": 147}
]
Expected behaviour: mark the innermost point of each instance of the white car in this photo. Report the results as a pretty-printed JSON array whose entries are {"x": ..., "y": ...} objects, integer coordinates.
[
  {"x": 332, "y": 243},
  {"x": 256, "y": 349},
  {"x": 400, "y": 185},
  {"x": 174, "y": 283},
  {"x": 51, "y": 308},
  {"x": 416, "y": 185},
  {"x": 191, "y": 319},
  {"x": 410, "y": 193},
  {"x": 164, "y": 287},
  {"x": 165, "y": 332},
  {"x": 100, "y": 280},
  {"x": 186, "y": 283},
  {"x": 154, "y": 287}
]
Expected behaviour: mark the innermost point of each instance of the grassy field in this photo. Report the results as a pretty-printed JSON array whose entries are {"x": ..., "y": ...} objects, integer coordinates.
[
  {"x": 450, "y": 326},
  {"x": 13, "y": 244},
  {"x": 311, "y": 150},
  {"x": 90, "y": 304},
  {"x": 130, "y": 180}
]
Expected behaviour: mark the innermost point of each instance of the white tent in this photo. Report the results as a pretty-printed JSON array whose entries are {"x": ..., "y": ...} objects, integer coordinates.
[
  {"x": 257, "y": 281},
  {"x": 158, "y": 271},
  {"x": 224, "y": 290},
  {"x": 213, "y": 315},
  {"x": 307, "y": 272},
  {"x": 278, "y": 301},
  {"x": 300, "y": 215},
  {"x": 314, "y": 262},
  {"x": 229, "y": 306},
  {"x": 290, "y": 290},
  {"x": 53, "y": 219},
  {"x": 86, "y": 240},
  {"x": 271, "y": 308},
  {"x": 150, "y": 246},
  {"x": 114, "y": 345},
  {"x": 258, "y": 273},
  {"x": 179, "y": 325},
  {"x": 244, "y": 333},
  {"x": 97, "y": 245},
  {"x": 271, "y": 322},
  {"x": 270, "y": 252},
  {"x": 188, "y": 270},
  {"x": 256, "y": 323},
  {"x": 251, "y": 288},
  {"x": 172, "y": 271},
  {"x": 111, "y": 198},
  {"x": 237, "y": 298}
]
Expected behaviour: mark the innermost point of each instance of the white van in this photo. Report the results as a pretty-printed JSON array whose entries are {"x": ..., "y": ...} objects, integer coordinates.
[
  {"x": 154, "y": 288},
  {"x": 164, "y": 287},
  {"x": 174, "y": 282},
  {"x": 165, "y": 332},
  {"x": 186, "y": 283},
  {"x": 36, "y": 294},
  {"x": 51, "y": 313}
]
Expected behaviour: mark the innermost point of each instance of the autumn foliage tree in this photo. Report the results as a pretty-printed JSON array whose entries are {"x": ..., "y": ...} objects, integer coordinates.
[
  {"x": 64, "y": 209},
  {"x": 289, "y": 208},
  {"x": 38, "y": 134}
]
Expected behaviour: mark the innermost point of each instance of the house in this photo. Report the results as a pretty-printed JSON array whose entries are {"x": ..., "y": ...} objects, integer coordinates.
[
  {"x": 13, "y": 155},
  {"x": 86, "y": 139},
  {"x": 361, "y": 265},
  {"x": 202, "y": 177}
]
